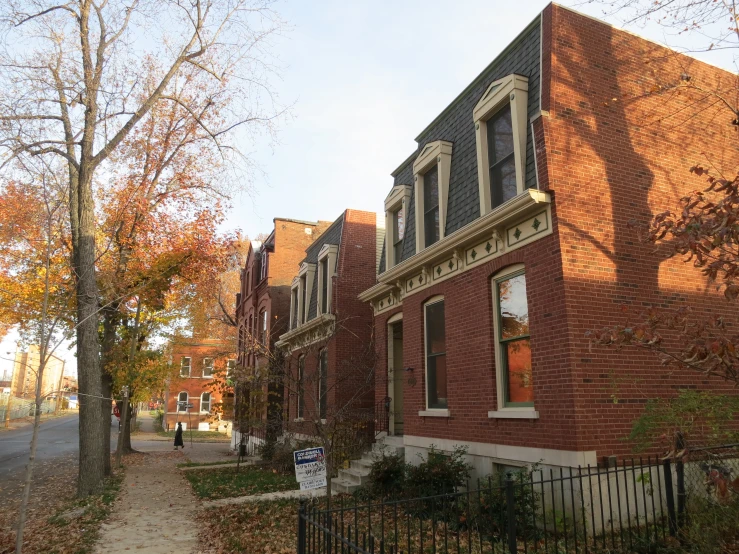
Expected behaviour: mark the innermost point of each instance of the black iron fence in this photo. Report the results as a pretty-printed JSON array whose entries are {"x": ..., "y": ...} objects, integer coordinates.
[{"x": 631, "y": 507}]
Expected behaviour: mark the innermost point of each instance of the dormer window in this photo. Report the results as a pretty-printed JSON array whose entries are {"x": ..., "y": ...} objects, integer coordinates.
[
  {"x": 294, "y": 299},
  {"x": 500, "y": 126},
  {"x": 326, "y": 266},
  {"x": 396, "y": 208},
  {"x": 301, "y": 292},
  {"x": 431, "y": 206},
  {"x": 432, "y": 170}
]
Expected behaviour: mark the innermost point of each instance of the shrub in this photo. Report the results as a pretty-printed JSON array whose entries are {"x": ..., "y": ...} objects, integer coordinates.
[
  {"x": 387, "y": 475},
  {"x": 439, "y": 473},
  {"x": 159, "y": 421},
  {"x": 488, "y": 511}
]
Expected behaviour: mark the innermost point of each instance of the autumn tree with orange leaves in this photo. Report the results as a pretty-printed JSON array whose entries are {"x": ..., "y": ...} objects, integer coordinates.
[{"x": 77, "y": 80}]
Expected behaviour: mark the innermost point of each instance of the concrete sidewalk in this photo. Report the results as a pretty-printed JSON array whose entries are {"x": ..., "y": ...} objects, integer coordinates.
[{"x": 155, "y": 512}]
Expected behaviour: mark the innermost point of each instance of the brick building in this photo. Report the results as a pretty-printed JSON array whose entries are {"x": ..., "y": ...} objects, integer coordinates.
[
  {"x": 329, "y": 338},
  {"x": 263, "y": 304},
  {"x": 197, "y": 361},
  {"x": 507, "y": 239}
]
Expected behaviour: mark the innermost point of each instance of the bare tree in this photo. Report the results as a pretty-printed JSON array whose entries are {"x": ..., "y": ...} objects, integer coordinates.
[
  {"x": 335, "y": 403},
  {"x": 77, "y": 76}
]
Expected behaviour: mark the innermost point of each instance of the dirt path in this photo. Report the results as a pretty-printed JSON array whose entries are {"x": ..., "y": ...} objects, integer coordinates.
[{"x": 156, "y": 510}]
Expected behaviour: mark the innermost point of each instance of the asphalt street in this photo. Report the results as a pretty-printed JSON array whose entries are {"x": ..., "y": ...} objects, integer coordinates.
[{"x": 56, "y": 438}]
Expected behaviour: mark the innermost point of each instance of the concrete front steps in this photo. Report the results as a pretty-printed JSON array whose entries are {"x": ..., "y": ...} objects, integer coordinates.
[{"x": 357, "y": 475}]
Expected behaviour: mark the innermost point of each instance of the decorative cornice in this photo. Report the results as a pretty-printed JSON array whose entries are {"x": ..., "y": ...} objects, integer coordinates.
[
  {"x": 491, "y": 225},
  {"x": 305, "y": 334}
]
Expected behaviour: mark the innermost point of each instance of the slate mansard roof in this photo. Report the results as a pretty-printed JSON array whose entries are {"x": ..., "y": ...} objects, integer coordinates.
[
  {"x": 455, "y": 125},
  {"x": 332, "y": 236}
]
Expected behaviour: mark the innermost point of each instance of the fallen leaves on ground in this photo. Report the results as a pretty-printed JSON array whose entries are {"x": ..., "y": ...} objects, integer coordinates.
[
  {"x": 255, "y": 528},
  {"x": 52, "y": 494}
]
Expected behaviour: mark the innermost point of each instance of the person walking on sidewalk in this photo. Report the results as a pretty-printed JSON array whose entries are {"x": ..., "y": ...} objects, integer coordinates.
[{"x": 178, "y": 437}]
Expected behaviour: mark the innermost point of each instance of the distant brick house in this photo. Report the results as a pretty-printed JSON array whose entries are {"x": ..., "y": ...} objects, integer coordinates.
[
  {"x": 263, "y": 304},
  {"x": 507, "y": 239},
  {"x": 329, "y": 326},
  {"x": 195, "y": 362}
]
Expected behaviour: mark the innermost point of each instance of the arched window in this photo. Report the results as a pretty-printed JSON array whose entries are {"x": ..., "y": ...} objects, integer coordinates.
[
  {"x": 512, "y": 339},
  {"x": 205, "y": 403},
  {"x": 301, "y": 387},
  {"x": 182, "y": 400}
]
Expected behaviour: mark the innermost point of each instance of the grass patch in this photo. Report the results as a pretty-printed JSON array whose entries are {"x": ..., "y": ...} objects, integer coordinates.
[
  {"x": 198, "y": 464},
  {"x": 250, "y": 480},
  {"x": 211, "y": 435}
]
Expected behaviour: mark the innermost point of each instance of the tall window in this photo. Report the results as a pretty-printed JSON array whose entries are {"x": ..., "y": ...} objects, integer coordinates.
[
  {"x": 294, "y": 305},
  {"x": 514, "y": 341},
  {"x": 323, "y": 384},
  {"x": 207, "y": 367},
  {"x": 185, "y": 366},
  {"x": 398, "y": 232},
  {"x": 500, "y": 157},
  {"x": 182, "y": 402},
  {"x": 263, "y": 327},
  {"x": 230, "y": 367},
  {"x": 248, "y": 282},
  {"x": 436, "y": 356},
  {"x": 304, "y": 299},
  {"x": 301, "y": 388},
  {"x": 205, "y": 402},
  {"x": 324, "y": 285},
  {"x": 431, "y": 205},
  {"x": 265, "y": 264}
]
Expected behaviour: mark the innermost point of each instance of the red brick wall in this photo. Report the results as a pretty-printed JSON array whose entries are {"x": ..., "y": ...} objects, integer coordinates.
[
  {"x": 618, "y": 152},
  {"x": 606, "y": 158},
  {"x": 196, "y": 385},
  {"x": 349, "y": 347}
]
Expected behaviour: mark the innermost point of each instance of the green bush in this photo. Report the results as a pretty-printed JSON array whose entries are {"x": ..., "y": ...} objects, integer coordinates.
[
  {"x": 439, "y": 473},
  {"x": 159, "y": 421},
  {"x": 488, "y": 510},
  {"x": 387, "y": 475}
]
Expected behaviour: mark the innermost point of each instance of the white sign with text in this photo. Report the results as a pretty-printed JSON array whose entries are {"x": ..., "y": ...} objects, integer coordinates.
[{"x": 310, "y": 468}]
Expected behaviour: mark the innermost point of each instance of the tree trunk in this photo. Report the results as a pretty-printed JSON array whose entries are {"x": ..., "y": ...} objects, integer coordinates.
[
  {"x": 92, "y": 418},
  {"x": 110, "y": 327}
]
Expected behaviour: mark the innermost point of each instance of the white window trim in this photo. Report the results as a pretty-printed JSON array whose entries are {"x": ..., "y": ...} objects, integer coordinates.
[
  {"x": 187, "y": 400},
  {"x": 438, "y": 152},
  {"x": 503, "y": 411},
  {"x": 513, "y": 90},
  {"x": 210, "y": 401},
  {"x": 189, "y": 366},
  {"x": 309, "y": 271},
  {"x": 228, "y": 367},
  {"x": 399, "y": 198},
  {"x": 330, "y": 252},
  {"x": 431, "y": 412},
  {"x": 212, "y": 367},
  {"x": 295, "y": 288}
]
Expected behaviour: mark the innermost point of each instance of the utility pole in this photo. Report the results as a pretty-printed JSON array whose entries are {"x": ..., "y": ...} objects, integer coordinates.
[
  {"x": 59, "y": 395},
  {"x": 124, "y": 417}
]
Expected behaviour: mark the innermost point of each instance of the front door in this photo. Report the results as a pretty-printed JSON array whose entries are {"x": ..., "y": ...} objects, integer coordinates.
[{"x": 395, "y": 377}]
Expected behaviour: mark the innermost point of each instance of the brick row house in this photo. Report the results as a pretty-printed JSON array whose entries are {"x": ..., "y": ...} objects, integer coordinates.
[
  {"x": 508, "y": 239},
  {"x": 191, "y": 397},
  {"x": 263, "y": 304},
  {"x": 329, "y": 353}
]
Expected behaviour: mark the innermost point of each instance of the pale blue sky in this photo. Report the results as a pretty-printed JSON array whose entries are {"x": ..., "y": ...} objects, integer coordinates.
[{"x": 366, "y": 78}]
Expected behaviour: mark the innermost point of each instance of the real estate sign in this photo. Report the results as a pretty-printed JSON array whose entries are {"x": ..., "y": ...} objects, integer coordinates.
[{"x": 310, "y": 468}]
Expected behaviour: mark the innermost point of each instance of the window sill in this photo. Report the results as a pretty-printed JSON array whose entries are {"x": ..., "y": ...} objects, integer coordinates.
[
  {"x": 513, "y": 414},
  {"x": 434, "y": 413},
  {"x": 298, "y": 420}
]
